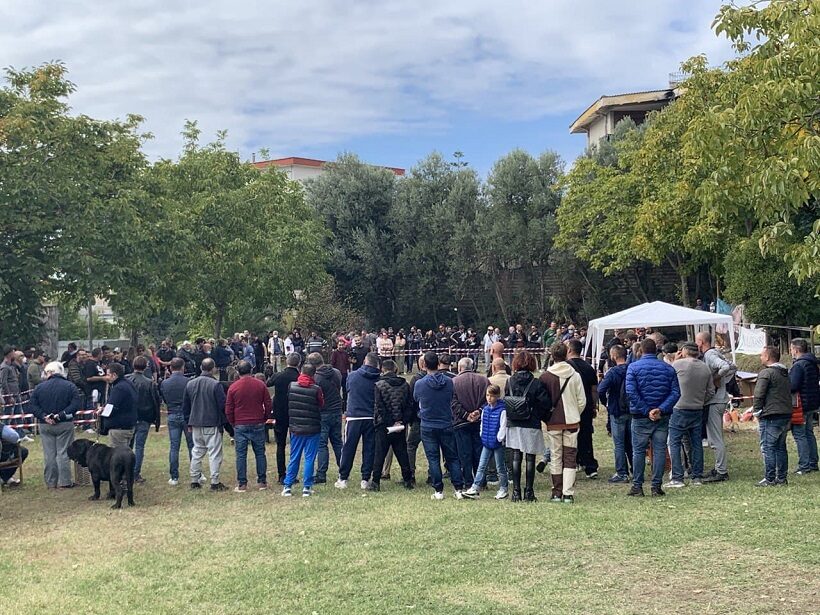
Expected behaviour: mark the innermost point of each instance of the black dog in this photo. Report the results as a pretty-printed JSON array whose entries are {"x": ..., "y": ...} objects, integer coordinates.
[{"x": 116, "y": 465}]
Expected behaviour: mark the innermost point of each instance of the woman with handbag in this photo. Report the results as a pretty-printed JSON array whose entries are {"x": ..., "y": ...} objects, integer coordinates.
[{"x": 527, "y": 402}]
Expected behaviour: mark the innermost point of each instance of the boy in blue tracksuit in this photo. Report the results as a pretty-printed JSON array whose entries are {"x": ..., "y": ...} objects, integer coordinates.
[
  {"x": 434, "y": 393},
  {"x": 493, "y": 434},
  {"x": 653, "y": 390}
]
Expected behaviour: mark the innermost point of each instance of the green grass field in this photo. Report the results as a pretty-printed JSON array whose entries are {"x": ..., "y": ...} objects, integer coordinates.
[{"x": 725, "y": 548}]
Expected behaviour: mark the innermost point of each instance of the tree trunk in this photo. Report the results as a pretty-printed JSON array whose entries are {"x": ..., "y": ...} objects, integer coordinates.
[
  {"x": 500, "y": 299},
  {"x": 220, "y": 315},
  {"x": 90, "y": 323},
  {"x": 133, "y": 338},
  {"x": 684, "y": 289}
]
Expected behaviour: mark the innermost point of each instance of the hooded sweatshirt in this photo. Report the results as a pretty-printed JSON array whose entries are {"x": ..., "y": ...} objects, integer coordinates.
[
  {"x": 567, "y": 406},
  {"x": 434, "y": 393},
  {"x": 330, "y": 380},
  {"x": 361, "y": 385}
]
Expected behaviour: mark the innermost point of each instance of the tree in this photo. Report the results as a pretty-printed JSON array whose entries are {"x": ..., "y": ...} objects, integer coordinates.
[
  {"x": 324, "y": 310},
  {"x": 248, "y": 239},
  {"x": 759, "y": 144},
  {"x": 353, "y": 201}
]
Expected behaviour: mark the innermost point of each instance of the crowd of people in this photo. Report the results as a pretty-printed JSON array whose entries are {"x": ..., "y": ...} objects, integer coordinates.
[{"x": 532, "y": 409}]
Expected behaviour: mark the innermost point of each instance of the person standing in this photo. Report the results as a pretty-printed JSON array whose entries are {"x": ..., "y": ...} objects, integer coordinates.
[
  {"x": 329, "y": 379},
  {"x": 172, "y": 392},
  {"x": 122, "y": 418},
  {"x": 696, "y": 386},
  {"x": 493, "y": 433},
  {"x": 203, "y": 406},
  {"x": 305, "y": 402},
  {"x": 499, "y": 374},
  {"x": 589, "y": 377},
  {"x": 414, "y": 426},
  {"x": 315, "y": 343},
  {"x": 361, "y": 386},
  {"x": 524, "y": 435},
  {"x": 722, "y": 372},
  {"x": 35, "y": 369},
  {"x": 652, "y": 387},
  {"x": 281, "y": 384},
  {"x": 469, "y": 395},
  {"x": 147, "y": 412},
  {"x": 773, "y": 409},
  {"x": 247, "y": 408},
  {"x": 612, "y": 394},
  {"x": 10, "y": 386},
  {"x": 391, "y": 415},
  {"x": 340, "y": 360},
  {"x": 566, "y": 390},
  {"x": 275, "y": 350},
  {"x": 434, "y": 393},
  {"x": 803, "y": 379},
  {"x": 54, "y": 402}
]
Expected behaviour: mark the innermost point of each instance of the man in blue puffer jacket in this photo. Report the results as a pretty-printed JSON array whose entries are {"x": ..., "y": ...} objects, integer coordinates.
[
  {"x": 803, "y": 377},
  {"x": 653, "y": 390}
]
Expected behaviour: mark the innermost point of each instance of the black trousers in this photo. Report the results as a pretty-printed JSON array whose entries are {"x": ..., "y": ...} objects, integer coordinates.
[
  {"x": 586, "y": 456},
  {"x": 281, "y": 436},
  {"x": 384, "y": 442}
]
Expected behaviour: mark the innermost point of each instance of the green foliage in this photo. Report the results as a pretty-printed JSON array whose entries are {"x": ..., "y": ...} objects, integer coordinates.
[
  {"x": 73, "y": 326},
  {"x": 764, "y": 286},
  {"x": 324, "y": 310}
]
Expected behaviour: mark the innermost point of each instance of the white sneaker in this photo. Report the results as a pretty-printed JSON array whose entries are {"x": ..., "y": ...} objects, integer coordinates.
[
  {"x": 674, "y": 484},
  {"x": 459, "y": 495},
  {"x": 173, "y": 482},
  {"x": 26, "y": 439},
  {"x": 306, "y": 493},
  {"x": 364, "y": 484},
  {"x": 472, "y": 493},
  {"x": 91, "y": 431},
  {"x": 286, "y": 492},
  {"x": 501, "y": 495},
  {"x": 340, "y": 484},
  {"x": 438, "y": 495},
  {"x": 202, "y": 480}
]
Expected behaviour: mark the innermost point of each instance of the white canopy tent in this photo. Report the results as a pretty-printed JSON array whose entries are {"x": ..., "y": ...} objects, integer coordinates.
[{"x": 654, "y": 314}]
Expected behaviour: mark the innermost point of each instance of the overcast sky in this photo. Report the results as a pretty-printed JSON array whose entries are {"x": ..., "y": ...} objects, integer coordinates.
[{"x": 388, "y": 80}]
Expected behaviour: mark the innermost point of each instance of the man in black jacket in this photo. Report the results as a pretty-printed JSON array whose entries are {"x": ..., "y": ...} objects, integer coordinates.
[
  {"x": 281, "y": 383},
  {"x": 122, "y": 414},
  {"x": 391, "y": 414},
  {"x": 147, "y": 411},
  {"x": 329, "y": 380},
  {"x": 803, "y": 379}
]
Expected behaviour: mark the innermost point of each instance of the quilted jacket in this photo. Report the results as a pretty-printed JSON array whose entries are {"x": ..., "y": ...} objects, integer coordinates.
[{"x": 651, "y": 383}]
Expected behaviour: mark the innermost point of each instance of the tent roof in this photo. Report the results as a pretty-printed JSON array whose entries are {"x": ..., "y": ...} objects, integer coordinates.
[{"x": 658, "y": 314}]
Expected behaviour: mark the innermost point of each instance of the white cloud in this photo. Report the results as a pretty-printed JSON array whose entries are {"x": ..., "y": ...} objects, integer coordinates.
[{"x": 292, "y": 75}]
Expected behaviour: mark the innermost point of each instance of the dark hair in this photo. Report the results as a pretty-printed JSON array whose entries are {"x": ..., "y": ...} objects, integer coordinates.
[
  {"x": 575, "y": 346},
  {"x": 523, "y": 360},
  {"x": 140, "y": 363},
  {"x": 309, "y": 370},
  {"x": 773, "y": 352},
  {"x": 800, "y": 344},
  {"x": 558, "y": 352},
  {"x": 618, "y": 351},
  {"x": 444, "y": 359},
  {"x": 244, "y": 368},
  {"x": 116, "y": 368},
  {"x": 494, "y": 390},
  {"x": 177, "y": 364},
  {"x": 389, "y": 365},
  {"x": 669, "y": 348},
  {"x": 648, "y": 346},
  {"x": 96, "y": 352},
  {"x": 293, "y": 359},
  {"x": 371, "y": 359},
  {"x": 431, "y": 360},
  {"x": 72, "y": 346}
]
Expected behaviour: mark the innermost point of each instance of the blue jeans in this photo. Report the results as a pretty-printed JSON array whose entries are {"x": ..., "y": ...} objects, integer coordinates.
[
  {"x": 435, "y": 442},
  {"x": 469, "y": 447},
  {"x": 140, "y": 437},
  {"x": 500, "y": 464},
  {"x": 309, "y": 445},
  {"x": 176, "y": 428},
  {"x": 255, "y": 434},
  {"x": 644, "y": 433},
  {"x": 686, "y": 422},
  {"x": 620, "y": 427},
  {"x": 806, "y": 442},
  {"x": 773, "y": 446},
  {"x": 331, "y": 429}
]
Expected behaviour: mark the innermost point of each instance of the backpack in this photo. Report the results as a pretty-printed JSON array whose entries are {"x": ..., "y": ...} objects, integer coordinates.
[{"x": 516, "y": 406}]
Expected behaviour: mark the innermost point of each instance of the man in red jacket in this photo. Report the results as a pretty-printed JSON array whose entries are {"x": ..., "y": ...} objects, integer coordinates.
[{"x": 247, "y": 407}]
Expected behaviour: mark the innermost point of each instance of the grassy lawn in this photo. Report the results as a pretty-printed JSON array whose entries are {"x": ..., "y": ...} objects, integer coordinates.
[{"x": 725, "y": 548}]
